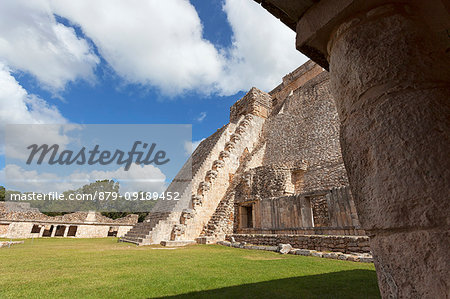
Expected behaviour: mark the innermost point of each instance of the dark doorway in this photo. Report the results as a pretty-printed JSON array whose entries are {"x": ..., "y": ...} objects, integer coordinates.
[
  {"x": 247, "y": 216},
  {"x": 72, "y": 231},
  {"x": 250, "y": 216},
  {"x": 112, "y": 232},
  {"x": 60, "y": 229},
  {"x": 36, "y": 229},
  {"x": 48, "y": 231}
]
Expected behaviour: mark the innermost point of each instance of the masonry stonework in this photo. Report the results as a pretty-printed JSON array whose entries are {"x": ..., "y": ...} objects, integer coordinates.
[
  {"x": 347, "y": 244},
  {"x": 389, "y": 64},
  {"x": 275, "y": 170},
  {"x": 18, "y": 220}
]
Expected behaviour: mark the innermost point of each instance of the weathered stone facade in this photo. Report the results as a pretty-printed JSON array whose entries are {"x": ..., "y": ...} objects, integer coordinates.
[
  {"x": 389, "y": 64},
  {"x": 276, "y": 168},
  {"x": 347, "y": 244},
  {"x": 18, "y": 220}
]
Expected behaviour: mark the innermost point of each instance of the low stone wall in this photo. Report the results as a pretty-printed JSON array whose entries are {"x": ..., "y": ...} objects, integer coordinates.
[
  {"x": 9, "y": 243},
  {"x": 23, "y": 229},
  {"x": 286, "y": 248},
  {"x": 337, "y": 231},
  {"x": 18, "y": 211},
  {"x": 345, "y": 244},
  {"x": 3, "y": 229}
]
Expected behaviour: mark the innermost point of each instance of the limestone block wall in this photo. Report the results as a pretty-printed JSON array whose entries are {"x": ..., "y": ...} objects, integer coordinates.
[
  {"x": 3, "y": 230},
  {"x": 92, "y": 231},
  {"x": 286, "y": 183},
  {"x": 17, "y": 211},
  {"x": 264, "y": 181},
  {"x": 221, "y": 222},
  {"x": 255, "y": 102},
  {"x": 18, "y": 220},
  {"x": 306, "y": 130},
  {"x": 345, "y": 244},
  {"x": 321, "y": 212},
  {"x": 214, "y": 163},
  {"x": 332, "y": 231},
  {"x": 23, "y": 229},
  {"x": 283, "y": 212},
  {"x": 193, "y": 171},
  {"x": 201, "y": 160},
  {"x": 244, "y": 139},
  {"x": 122, "y": 230},
  {"x": 17, "y": 230},
  {"x": 341, "y": 208},
  {"x": 293, "y": 81}
]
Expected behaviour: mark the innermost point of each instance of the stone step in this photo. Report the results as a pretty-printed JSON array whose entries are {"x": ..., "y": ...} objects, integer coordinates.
[
  {"x": 177, "y": 243},
  {"x": 204, "y": 240},
  {"x": 135, "y": 236},
  {"x": 129, "y": 241},
  {"x": 205, "y": 202}
]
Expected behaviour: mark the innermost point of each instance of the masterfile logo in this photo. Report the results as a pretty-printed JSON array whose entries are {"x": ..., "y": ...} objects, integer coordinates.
[
  {"x": 94, "y": 156},
  {"x": 68, "y": 167}
]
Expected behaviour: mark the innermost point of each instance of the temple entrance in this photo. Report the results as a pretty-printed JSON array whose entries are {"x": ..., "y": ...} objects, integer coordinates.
[
  {"x": 36, "y": 229},
  {"x": 72, "y": 231},
  {"x": 48, "y": 231},
  {"x": 112, "y": 232},
  {"x": 247, "y": 216},
  {"x": 60, "y": 229}
]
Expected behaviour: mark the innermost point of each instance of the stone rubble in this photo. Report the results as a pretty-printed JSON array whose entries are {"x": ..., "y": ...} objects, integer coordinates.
[
  {"x": 287, "y": 249},
  {"x": 284, "y": 248},
  {"x": 9, "y": 243}
]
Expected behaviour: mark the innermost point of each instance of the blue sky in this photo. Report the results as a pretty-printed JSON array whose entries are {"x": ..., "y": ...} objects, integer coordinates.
[{"x": 137, "y": 61}]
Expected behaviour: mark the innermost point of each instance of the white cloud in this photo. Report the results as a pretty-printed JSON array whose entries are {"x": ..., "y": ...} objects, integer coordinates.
[
  {"x": 148, "y": 42},
  {"x": 201, "y": 117},
  {"x": 190, "y": 147},
  {"x": 19, "y": 179},
  {"x": 160, "y": 43},
  {"x": 263, "y": 49},
  {"x": 19, "y": 137},
  {"x": 19, "y": 107},
  {"x": 137, "y": 178},
  {"x": 32, "y": 41}
]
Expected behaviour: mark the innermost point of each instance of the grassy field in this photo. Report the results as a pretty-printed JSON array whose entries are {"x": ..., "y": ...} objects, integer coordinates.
[{"x": 92, "y": 268}]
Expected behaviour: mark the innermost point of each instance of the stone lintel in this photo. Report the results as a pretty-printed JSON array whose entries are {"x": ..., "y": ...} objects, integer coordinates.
[
  {"x": 316, "y": 20},
  {"x": 289, "y": 12},
  {"x": 296, "y": 78},
  {"x": 317, "y": 25},
  {"x": 51, "y": 222}
]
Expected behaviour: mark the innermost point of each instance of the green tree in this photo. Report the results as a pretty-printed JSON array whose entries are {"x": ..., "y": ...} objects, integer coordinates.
[{"x": 2, "y": 193}]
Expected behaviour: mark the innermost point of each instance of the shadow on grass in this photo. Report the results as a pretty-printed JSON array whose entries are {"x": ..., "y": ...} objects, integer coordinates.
[{"x": 342, "y": 284}]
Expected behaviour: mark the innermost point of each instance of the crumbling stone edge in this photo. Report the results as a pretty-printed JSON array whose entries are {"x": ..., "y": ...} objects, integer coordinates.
[
  {"x": 9, "y": 243},
  {"x": 288, "y": 249}
]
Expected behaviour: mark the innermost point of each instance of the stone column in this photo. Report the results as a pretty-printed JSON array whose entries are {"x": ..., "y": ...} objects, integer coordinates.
[
  {"x": 391, "y": 80},
  {"x": 41, "y": 232},
  {"x": 66, "y": 230},
  {"x": 54, "y": 230},
  {"x": 306, "y": 212}
]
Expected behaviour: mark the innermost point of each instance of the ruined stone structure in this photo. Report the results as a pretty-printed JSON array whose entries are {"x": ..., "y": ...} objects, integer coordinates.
[
  {"x": 18, "y": 220},
  {"x": 389, "y": 63},
  {"x": 275, "y": 169}
]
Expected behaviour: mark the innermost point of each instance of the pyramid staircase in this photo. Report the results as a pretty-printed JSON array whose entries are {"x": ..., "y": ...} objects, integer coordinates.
[
  {"x": 139, "y": 233},
  {"x": 221, "y": 222},
  {"x": 211, "y": 185},
  {"x": 204, "y": 206},
  {"x": 212, "y": 190}
]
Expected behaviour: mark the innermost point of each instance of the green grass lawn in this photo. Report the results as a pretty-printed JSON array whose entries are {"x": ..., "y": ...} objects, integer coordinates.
[{"x": 80, "y": 268}]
